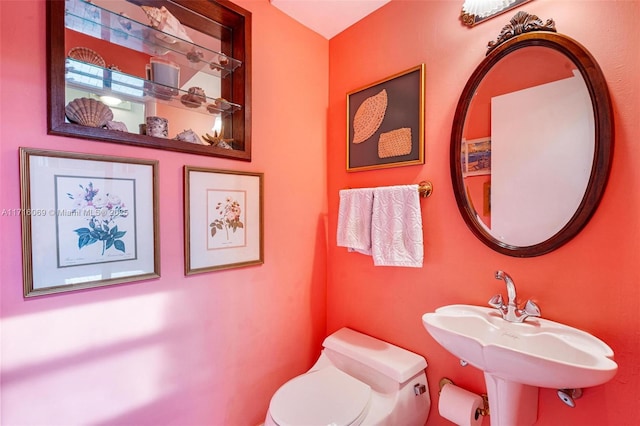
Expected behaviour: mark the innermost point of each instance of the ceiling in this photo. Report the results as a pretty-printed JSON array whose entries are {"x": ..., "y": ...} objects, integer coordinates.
[{"x": 328, "y": 17}]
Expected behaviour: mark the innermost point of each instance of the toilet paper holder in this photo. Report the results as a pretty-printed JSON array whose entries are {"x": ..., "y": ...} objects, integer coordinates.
[{"x": 484, "y": 411}]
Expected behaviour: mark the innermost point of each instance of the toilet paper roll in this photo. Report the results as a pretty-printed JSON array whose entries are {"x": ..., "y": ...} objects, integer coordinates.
[{"x": 459, "y": 406}]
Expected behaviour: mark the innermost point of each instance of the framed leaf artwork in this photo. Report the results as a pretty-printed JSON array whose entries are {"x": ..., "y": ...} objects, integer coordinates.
[{"x": 385, "y": 122}]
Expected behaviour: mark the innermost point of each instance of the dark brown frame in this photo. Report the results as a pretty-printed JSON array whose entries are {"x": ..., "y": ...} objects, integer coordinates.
[
  {"x": 604, "y": 135},
  {"x": 236, "y": 89}
]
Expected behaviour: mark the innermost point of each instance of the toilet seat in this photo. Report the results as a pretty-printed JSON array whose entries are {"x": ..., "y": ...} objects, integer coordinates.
[{"x": 323, "y": 397}]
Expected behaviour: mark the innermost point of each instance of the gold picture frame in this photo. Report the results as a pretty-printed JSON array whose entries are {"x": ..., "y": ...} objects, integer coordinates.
[
  {"x": 87, "y": 220},
  {"x": 223, "y": 219},
  {"x": 385, "y": 122}
]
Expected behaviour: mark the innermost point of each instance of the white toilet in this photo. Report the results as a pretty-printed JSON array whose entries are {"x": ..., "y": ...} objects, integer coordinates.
[{"x": 358, "y": 380}]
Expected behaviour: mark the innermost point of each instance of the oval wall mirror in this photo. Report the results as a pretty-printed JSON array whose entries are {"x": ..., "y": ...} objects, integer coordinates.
[{"x": 532, "y": 140}]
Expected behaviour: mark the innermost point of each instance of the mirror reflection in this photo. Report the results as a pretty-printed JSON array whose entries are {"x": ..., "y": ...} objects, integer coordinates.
[
  {"x": 528, "y": 146},
  {"x": 113, "y": 55},
  {"x": 532, "y": 140}
]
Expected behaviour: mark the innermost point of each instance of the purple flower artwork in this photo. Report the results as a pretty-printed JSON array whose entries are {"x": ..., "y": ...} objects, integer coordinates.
[{"x": 102, "y": 212}]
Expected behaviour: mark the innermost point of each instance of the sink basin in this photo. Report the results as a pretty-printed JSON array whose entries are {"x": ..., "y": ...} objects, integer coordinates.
[
  {"x": 517, "y": 358},
  {"x": 536, "y": 352}
]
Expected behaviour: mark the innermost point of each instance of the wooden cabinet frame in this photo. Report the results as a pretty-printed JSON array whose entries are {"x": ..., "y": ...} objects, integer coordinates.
[{"x": 192, "y": 13}]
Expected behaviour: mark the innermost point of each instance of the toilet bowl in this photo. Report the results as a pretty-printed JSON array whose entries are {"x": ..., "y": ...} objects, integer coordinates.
[{"x": 357, "y": 380}]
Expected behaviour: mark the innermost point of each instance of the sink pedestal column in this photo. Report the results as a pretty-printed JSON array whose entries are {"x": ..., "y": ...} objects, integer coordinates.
[{"x": 511, "y": 403}]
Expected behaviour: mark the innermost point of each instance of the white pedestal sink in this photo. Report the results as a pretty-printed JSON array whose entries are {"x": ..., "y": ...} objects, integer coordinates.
[{"x": 518, "y": 358}]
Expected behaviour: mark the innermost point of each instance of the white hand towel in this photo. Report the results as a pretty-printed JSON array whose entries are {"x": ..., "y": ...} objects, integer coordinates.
[
  {"x": 354, "y": 219},
  {"x": 396, "y": 227}
]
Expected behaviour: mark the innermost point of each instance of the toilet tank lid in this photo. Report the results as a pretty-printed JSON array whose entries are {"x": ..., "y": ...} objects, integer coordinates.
[{"x": 393, "y": 361}]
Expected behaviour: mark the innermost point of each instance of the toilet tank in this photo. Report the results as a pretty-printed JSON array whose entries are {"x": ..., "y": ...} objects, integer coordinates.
[{"x": 392, "y": 361}]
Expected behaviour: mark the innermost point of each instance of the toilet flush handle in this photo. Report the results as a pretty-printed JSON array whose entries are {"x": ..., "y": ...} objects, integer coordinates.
[{"x": 419, "y": 389}]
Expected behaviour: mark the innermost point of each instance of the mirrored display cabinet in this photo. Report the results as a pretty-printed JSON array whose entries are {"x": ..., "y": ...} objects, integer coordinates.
[{"x": 171, "y": 75}]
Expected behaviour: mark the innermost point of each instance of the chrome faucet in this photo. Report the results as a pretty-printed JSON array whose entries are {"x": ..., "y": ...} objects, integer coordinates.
[{"x": 510, "y": 311}]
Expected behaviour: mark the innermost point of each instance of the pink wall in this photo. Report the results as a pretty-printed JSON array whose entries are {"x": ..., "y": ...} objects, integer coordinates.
[
  {"x": 209, "y": 349},
  {"x": 591, "y": 283}
]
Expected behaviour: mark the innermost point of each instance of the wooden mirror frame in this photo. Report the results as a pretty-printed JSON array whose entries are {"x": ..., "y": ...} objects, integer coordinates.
[
  {"x": 604, "y": 132},
  {"x": 236, "y": 88}
]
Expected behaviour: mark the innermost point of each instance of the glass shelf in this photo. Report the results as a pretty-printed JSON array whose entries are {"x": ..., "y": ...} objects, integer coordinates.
[
  {"x": 115, "y": 28},
  {"x": 223, "y": 27},
  {"x": 104, "y": 81}
]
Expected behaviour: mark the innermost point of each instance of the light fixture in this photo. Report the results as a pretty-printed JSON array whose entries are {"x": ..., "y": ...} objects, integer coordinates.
[
  {"x": 111, "y": 100},
  {"x": 474, "y": 11},
  {"x": 217, "y": 126}
]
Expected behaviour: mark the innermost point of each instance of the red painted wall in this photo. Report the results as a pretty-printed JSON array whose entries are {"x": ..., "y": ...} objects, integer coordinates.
[
  {"x": 591, "y": 283},
  {"x": 209, "y": 349},
  {"x": 533, "y": 66}
]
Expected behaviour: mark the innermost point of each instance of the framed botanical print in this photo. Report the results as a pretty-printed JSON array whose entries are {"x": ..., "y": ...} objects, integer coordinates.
[
  {"x": 87, "y": 220},
  {"x": 223, "y": 219}
]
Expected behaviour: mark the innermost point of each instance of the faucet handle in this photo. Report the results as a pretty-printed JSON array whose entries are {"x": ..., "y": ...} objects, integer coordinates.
[
  {"x": 496, "y": 301},
  {"x": 531, "y": 309}
]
